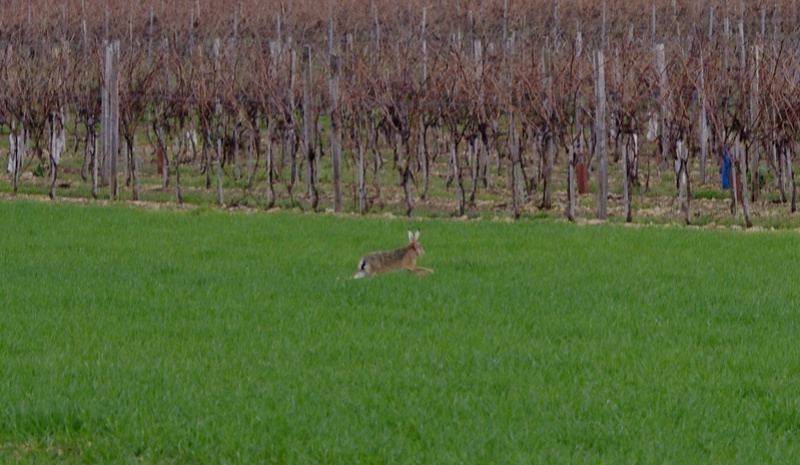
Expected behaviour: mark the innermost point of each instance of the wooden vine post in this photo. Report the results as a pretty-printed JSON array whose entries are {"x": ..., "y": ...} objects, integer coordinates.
[
  {"x": 218, "y": 124},
  {"x": 754, "y": 124},
  {"x": 741, "y": 150},
  {"x": 513, "y": 140},
  {"x": 665, "y": 111},
  {"x": 703, "y": 122},
  {"x": 162, "y": 160},
  {"x": 575, "y": 146},
  {"x": 110, "y": 117},
  {"x": 336, "y": 133},
  {"x": 625, "y": 139},
  {"x": 422, "y": 149},
  {"x": 474, "y": 145},
  {"x": 57, "y": 115},
  {"x": 57, "y": 146},
  {"x": 548, "y": 143},
  {"x": 600, "y": 132}
]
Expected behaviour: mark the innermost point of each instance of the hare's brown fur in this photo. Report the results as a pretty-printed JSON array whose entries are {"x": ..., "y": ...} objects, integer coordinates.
[{"x": 391, "y": 260}]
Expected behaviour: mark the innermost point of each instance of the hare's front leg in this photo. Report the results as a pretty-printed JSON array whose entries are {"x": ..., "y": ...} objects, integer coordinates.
[{"x": 422, "y": 271}]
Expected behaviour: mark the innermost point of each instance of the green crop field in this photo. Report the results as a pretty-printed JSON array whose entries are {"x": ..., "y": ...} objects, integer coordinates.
[{"x": 199, "y": 336}]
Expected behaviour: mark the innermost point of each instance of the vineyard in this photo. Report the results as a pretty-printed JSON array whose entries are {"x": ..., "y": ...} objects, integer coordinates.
[{"x": 578, "y": 107}]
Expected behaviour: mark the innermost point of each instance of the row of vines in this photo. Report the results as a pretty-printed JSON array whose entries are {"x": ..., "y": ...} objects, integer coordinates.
[{"x": 520, "y": 96}]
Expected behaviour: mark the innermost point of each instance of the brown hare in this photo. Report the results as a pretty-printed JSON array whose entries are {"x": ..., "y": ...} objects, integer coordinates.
[{"x": 391, "y": 260}]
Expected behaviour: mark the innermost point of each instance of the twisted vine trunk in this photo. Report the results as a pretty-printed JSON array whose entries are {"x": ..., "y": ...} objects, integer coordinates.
[
  {"x": 18, "y": 142},
  {"x": 308, "y": 130},
  {"x": 268, "y": 155},
  {"x": 456, "y": 172}
]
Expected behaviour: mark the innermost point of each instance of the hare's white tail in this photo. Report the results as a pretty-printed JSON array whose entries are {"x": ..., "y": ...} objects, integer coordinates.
[{"x": 362, "y": 269}]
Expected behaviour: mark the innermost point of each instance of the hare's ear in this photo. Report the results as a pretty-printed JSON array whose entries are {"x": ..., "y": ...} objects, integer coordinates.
[
  {"x": 416, "y": 236},
  {"x": 410, "y": 236}
]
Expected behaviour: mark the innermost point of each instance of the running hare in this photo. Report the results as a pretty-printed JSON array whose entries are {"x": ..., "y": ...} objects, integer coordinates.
[{"x": 391, "y": 260}]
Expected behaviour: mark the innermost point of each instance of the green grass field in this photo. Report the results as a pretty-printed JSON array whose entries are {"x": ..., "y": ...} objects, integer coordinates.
[{"x": 141, "y": 336}]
